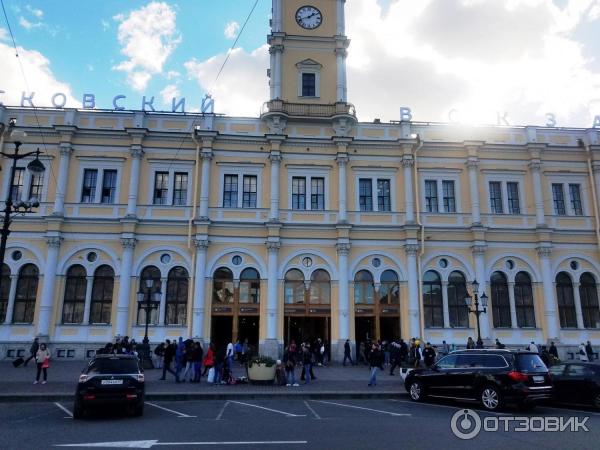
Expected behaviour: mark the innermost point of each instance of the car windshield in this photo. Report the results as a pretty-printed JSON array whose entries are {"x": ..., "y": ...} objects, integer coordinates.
[
  {"x": 530, "y": 363},
  {"x": 113, "y": 366}
]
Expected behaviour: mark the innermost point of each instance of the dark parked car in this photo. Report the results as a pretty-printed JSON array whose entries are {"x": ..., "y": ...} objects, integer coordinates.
[
  {"x": 491, "y": 377},
  {"x": 577, "y": 382},
  {"x": 111, "y": 379}
]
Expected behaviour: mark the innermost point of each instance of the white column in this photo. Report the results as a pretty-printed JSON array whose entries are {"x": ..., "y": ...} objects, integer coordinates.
[
  {"x": 409, "y": 197},
  {"x": 199, "y": 290},
  {"x": 272, "y": 73},
  {"x": 278, "y": 50},
  {"x": 513, "y": 307},
  {"x": 277, "y": 13},
  {"x": 472, "y": 165},
  {"x": 88, "y": 300},
  {"x": 538, "y": 196},
  {"x": 341, "y": 88},
  {"x": 63, "y": 178},
  {"x": 163, "y": 302},
  {"x": 11, "y": 298},
  {"x": 340, "y": 22},
  {"x": 272, "y": 303},
  {"x": 134, "y": 180},
  {"x": 275, "y": 158},
  {"x": 47, "y": 301},
  {"x": 596, "y": 169},
  {"x": 122, "y": 322},
  {"x": 414, "y": 315},
  {"x": 343, "y": 249},
  {"x": 479, "y": 257},
  {"x": 445, "y": 304},
  {"x": 342, "y": 160},
  {"x": 205, "y": 183},
  {"x": 549, "y": 293},
  {"x": 578, "y": 310}
]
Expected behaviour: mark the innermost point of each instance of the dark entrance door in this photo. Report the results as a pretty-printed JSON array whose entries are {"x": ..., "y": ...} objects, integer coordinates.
[
  {"x": 306, "y": 329},
  {"x": 389, "y": 328},
  {"x": 248, "y": 327},
  {"x": 364, "y": 328},
  {"x": 220, "y": 330}
]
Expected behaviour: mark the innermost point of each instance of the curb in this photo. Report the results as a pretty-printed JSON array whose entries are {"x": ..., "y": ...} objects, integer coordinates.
[{"x": 16, "y": 398}]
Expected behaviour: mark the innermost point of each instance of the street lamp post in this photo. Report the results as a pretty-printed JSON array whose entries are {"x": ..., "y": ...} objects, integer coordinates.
[
  {"x": 17, "y": 206},
  {"x": 476, "y": 310},
  {"x": 147, "y": 303}
]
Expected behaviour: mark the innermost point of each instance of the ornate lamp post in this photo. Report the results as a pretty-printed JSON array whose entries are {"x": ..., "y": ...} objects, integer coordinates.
[
  {"x": 147, "y": 301},
  {"x": 476, "y": 310},
  {"x": 12, "y": 206}
]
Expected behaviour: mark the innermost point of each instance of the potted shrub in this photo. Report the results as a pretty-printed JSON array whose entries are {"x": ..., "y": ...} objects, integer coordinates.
[{"x": 261, "y": 369}]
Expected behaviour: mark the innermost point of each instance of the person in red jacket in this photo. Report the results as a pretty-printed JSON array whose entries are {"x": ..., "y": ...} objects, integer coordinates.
[{"x": 209, "y": 359}]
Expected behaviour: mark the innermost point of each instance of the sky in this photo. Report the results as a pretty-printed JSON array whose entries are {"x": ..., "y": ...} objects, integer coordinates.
[{"x": 461, "y": 60}]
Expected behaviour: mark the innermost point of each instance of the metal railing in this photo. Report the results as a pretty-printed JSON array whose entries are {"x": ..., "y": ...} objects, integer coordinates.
[{"x": 308, "y": 109}]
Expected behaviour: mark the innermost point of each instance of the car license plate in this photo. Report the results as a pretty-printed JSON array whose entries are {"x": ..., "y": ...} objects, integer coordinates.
[
  {"x": 538, "y": 379},
  {"x": 112, "y": 382}
]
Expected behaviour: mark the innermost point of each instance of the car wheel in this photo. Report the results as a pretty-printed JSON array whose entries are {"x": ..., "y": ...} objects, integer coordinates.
[
  {"x": 78, "y": 411},
  {"x": 416, "y": 391},
  {"x": 490, "y": 398},
  {"x": 139, "y": 410}
]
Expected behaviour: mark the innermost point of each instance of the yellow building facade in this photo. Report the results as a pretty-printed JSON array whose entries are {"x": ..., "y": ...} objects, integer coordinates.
[{"x": 300, "y": 223}]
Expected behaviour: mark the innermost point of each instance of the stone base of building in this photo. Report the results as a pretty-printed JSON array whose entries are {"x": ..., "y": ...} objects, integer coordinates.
[{"x": 272, "y": 348}]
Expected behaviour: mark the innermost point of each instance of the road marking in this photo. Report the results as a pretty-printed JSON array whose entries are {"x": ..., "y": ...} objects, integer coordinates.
[
  {"x": 179, "y": 415},
  {"x": 150, "y": 444},
  {"x": 269, "y": 409},
  {"x": 222, "y": 411},
  {"x": 455, "y": 408},
  {"x": 363, "y": 408},
  {"x": 312, "y": 410},
  {"x": 65, "y": 410}
]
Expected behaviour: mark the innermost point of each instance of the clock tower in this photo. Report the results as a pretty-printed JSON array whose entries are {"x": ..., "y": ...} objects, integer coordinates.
[{"x": 308, "y": 49}]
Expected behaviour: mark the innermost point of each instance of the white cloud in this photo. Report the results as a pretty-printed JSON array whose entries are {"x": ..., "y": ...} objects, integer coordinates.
[
  {"x": 40, "y": 78},
  {"x": 231, "y": 30},
  {"x": 148, "y": 37},
  {"x": 27, "y": 24},
  {"x": 170, "y": 92},
  {"x": 243, "y": 84},
  {"x": 35, "y": 11},
  {"x": 171, "y": 74},
  {"x": 3, "y": 34},
  {"x": 105, "y": 24}
]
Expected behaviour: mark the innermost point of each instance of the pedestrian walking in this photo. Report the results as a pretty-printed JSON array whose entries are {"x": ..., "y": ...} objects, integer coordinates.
[
  {"x": 42, "y": 358},
  {"x": 159, "y": 353},
  {"x": 187, "y": 362},
  {"x": 428, "y": 355},
  {"x": 289, "y": 359},
  {"x": 589, "y": 350},
  {"x": 209, "y": 360},
  {"x": 229, "y": 355},
  {"x": 197, "y": 353},
  {"x": 553, "y": 351},
  {"x": 312, "y": 362},
  {"x": 362, "y": 357},
  {"x": 395, "y": 360},
  {"x": 35, "y": 346},
  {"x": 445, "y": 349},
  {"x": 499, "y": 345},
  {"x": 375, "y": 363},
  {"x": 307, "y": 360},
  {"x": 582, "y": 353},
  {"x": 533, "y": 348},
  {"x": 168, "y": 357},
  {"x": 470, "y": 343},
  {"x": 347, "y": 352}
]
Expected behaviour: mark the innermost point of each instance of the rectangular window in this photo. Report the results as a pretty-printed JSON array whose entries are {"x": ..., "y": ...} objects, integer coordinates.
[
  {"x": 180, "y": 189},
  {"x": 496, "y": 197},
  {"x": 230, "y": 191},
  {"x": 514, "y": 206},
  {"x": 575, "y": 195},
  {"x": 365, "y": 188},
  {"x": 317, "y": 194},
  {"x": 449, "y": 196},
  {"x": 431, "y": 196},
  {"x": 249, "y": 199},
  {"x": 383, "y": 195},
  {"x": 298, "y": 193},
  {"x": 161, "y": 188},
  {"x": 17, "y": 187},
  {"x": 88, "y": 191},
  {"x": 559, "y": 199},
  {"x": 109, "y": 186},
  {"x": 36, "y": 186},
  {"x": 309, "y": 84}
]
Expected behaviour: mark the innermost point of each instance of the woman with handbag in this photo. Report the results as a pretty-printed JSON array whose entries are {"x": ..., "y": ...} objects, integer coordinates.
[{"x": 42, "y": 358}]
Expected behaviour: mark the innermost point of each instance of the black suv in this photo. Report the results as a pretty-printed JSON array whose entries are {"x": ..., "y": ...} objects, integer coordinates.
[
  {"x": 491, "y": 377},
  {"x": 111, "y": 379}
]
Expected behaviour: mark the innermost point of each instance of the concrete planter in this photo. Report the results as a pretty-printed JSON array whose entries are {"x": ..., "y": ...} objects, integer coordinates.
[{"x": 260, "y": 373}]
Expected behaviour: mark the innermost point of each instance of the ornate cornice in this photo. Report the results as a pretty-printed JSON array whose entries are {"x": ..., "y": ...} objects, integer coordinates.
[
  {"x": 136, "y": 151},
  {"x": 544, "y": 251},
  {"x": 343, "y": 249},
  {"x": 411, "y": 249},
  {"x": 479, "y": 249},
  {"x": 201, "y": 244},
  {"x": 273, "y": 246},
  {"x": 408, "y": 161},
  {"x": 128, "y": 243},
  {"x": 54, "y": 241}
]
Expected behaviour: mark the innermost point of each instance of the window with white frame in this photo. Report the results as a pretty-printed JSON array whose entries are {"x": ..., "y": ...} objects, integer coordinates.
[
  {"x": 88, "y": 190},
  {"x": 512, "y": 194},
  {"x": 109, "y": 186},
  {"x": 180, "y": 189},
  {"x": 161, "y": 188},
  {"x": 434, "y": 203},
  {"x": 312, "y": 188},
  {"x": 250, "y": 191},
  {"x": 230, "y": 191},
  {"x": 309, "y": 72},
  {"x": 575, "y": 197},
  {"x": 27, "y": 186},
  {"x": 431, "y": 196},
  {"x": 567, "y": 197},
  {"x": 496, "y": 197},
  {"x": 240, "y": 185},
  {"x": 375, "y": 193},
  {"x": 99, "y": 184},
  {"x": 505, "y": 192},
  {"x": 170, "y": 183},
  {"x": 317, "y": 193},
  {"x": 17, "y": 187},
  {"x": 298, "y": 193}
]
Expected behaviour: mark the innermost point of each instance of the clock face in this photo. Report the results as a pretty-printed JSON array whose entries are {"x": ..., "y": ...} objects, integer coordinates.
[{"x": 309, "y": 17}]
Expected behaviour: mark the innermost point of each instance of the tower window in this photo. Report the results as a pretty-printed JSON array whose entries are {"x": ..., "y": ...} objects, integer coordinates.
[{"x": 309, "y": 85}]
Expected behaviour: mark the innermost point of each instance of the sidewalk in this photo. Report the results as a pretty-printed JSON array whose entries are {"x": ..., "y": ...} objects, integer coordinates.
[{"x": 333, "y": 381}]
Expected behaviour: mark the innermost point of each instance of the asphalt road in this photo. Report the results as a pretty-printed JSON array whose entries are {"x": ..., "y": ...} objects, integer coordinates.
[{"x": 282, "y": 424}]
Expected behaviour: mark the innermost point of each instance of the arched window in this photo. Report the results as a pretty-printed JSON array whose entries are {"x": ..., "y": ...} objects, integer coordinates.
[
  {"x": 364, "y": 289},
  {"x": 177, "y": 295},
  {"x": 74, "y": 300},
  {"x": 588, "y": 293},
  {"x": 524, "y": 301},
  {"x": 149, "y": 273},
  {"x": 250, "y": 286},
  {"x": 102, "y": 295},
  {"x": 500, "y": 300},
  {"x": 389, "y": 291},
  {"x": 4, "y": 292},
  {"x": 320, "y": 287},
  {"x": 294, "y": 287},
  {"x": 433, "y": 304},
  {"x": 457, "y": 308},
  {"x": 566, "y": 301},
  {"x": 27, "y": 285},
  {"x": 222, "y": 286}
]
